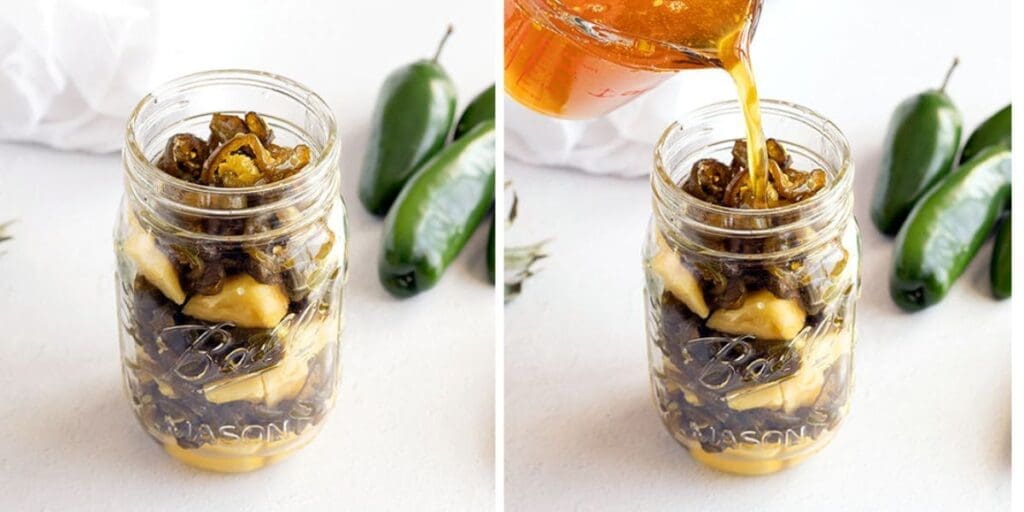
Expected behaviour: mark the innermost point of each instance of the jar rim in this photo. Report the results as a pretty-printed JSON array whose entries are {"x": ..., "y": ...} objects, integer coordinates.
[
  {"x": 290, "y": 87},
  {"x": 840, "y": 182}
]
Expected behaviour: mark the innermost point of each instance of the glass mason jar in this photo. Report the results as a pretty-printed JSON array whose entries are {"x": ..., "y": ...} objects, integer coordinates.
[
  {"x": 230, "y": 299},
  {"x": 562, "y": 61},
  {"x": 750, "y": 313}
]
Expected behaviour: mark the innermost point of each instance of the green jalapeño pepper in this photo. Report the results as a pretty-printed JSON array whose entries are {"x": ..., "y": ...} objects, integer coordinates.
[
  {"x": 1001, "y": 262},
  {"x": 436, "y": 213},
  {"x": 919, "y": 149},
  {"x": 995, "y": 130},
  {"x": 479, "y": 110},
  {"x": 947, "y": 227},
  {"x": 414, "y": 113}
]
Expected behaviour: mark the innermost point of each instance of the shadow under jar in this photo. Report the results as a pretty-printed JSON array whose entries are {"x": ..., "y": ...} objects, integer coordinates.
[
  {"x": 230, "y": 299},
  {"x": 750, "y": 313}
]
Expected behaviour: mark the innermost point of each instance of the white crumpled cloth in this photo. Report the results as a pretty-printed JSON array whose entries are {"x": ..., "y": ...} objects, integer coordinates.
[
  {"x": 622, "y": 142},
  {"x": 72, "y": 70}
]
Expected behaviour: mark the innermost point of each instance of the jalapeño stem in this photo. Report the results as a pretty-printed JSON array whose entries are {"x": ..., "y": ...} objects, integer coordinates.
[
  {"x": 444, "y": 40},
  {"x": 949, "y": 73}
]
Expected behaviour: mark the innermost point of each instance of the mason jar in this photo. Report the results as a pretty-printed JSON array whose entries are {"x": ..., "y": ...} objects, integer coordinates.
[
  {"x": 230, "y": 299},
  {"x": 750, "y": 313}
]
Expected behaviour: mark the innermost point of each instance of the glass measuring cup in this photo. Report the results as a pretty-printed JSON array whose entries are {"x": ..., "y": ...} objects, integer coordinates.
[{"x": 580, "y": 59}]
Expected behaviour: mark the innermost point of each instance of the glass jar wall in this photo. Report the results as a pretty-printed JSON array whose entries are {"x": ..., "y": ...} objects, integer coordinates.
[
  {"x": 750, "y": 313},
  {"x": 230, "y": 299}
]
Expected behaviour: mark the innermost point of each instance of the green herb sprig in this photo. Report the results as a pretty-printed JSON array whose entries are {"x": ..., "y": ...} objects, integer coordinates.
[{"x": 519, "y": 260}]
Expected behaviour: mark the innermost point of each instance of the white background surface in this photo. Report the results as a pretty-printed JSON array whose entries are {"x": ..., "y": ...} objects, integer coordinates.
[
  {"x": 413, "y": 427},
  {"x": 929, "y": 427}
]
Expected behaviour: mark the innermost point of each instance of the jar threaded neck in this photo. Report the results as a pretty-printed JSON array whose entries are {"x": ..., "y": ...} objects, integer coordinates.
[
  {"x": 706, "y": 132},
  {"x": 186, "y": 104}
]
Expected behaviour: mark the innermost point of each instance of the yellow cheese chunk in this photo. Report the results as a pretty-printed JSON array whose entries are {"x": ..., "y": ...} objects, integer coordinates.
[
  {"x": 307, "y": 341},
  {"x": 826, "y": 350},
  {"x": 165, "y": 388},
  {"x": 140, "y": 247},
  {"x": 243, "y": 301},
  {"x": 803, "y": 387},
  {"x": 767, "y": 395},
  {"x": 690, "y": 397},
  {"x": 789, "y": 394},
  {"x": 678, "y": 280},
  {"x": 284, "y": 380},
  {"x": 248, "y": 388},
  {"x": 762, "y": 315},
  {"x": 279, "y": 382}
]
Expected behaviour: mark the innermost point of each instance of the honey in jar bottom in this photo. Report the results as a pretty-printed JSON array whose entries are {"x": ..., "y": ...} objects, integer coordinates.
[
  {"x": 238, "y": 457},
  {"x": 754, "y": 461}
]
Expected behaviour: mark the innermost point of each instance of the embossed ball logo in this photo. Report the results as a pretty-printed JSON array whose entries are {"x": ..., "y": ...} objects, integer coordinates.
[
  {"x": 213, "y": 351},
  {"x": 734, "y": 359}
]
